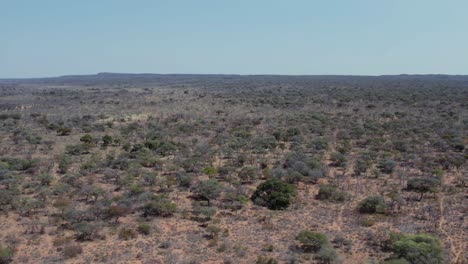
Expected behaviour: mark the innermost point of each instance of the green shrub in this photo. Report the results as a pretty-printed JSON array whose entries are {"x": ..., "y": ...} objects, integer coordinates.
[
  {"x": 78, "y": 149},
  {"x": 311, "y": 241},
  {"x": 64, "y": 131},
  {"x": 372, "y": 204},
  {"x": 203, "y": 213},
  {"x": 338, "y": 159},
  {"x": 144, "y": 228},
  {"x": 6, "y": 255},
  {"x": 64, "y": 164},
  {"x": 87, "y": 139},
  {"x": 159, "y": 206},
  {"x": 274, "y": 194},
  {"x": 19, "y": 164},
  {"x": 210, "y": 171},
  {"x": 85, "y": 231},
  {"x": 106, "y": 140},
  {"x": 265, "y": 260},
  {"x": 419, "y": 249},
  {"x": 45, "y": 179},
  {"x": 330, "y": 192},
  {"x": 387, "y": 166}
]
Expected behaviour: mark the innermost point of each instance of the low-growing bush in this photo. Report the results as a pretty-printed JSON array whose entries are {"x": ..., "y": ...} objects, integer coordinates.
[
  {"x": 265, "y": 260},
  {"x": 418, "y": 249},
  {"x": 311, "y": 241},
  {"x": 127, "y": 234},
  {"x": 159, "y": 206},
  {"x": 72, "y": 250},
  {"x": 331, "y": 192},
  {"x": 372, "y": 205},
  {"x": 6, "y": 255},
  {"x": 144, "y": 228}
]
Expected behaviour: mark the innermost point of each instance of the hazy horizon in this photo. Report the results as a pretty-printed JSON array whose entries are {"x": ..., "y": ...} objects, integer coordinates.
[
  {"x": 53, "y": 38},
  {"x": 230, "y": 74}
]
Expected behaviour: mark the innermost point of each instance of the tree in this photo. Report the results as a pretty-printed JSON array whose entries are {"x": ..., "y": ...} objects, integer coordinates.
[
  {"x": 274, "y": 194},
  {"x": 372, "y": 204},
  {"x": 209, "y": 189},
  {"x": 311, "y": 241},
  {"x": 116, "y": 211},
  {"x": 423, "y": 185}
]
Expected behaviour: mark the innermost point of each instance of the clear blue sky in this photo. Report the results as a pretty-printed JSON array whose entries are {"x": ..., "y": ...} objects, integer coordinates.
[{"x": 359, "y": 37}]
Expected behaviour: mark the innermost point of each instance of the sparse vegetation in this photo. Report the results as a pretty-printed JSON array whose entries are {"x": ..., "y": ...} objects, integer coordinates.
[{"x": 194, "y": 169}]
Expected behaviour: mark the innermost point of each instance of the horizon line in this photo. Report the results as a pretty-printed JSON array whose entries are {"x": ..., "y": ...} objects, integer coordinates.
[{"x": 229, "y": 74}]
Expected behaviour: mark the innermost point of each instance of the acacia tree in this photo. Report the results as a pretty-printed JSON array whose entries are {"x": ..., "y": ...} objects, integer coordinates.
[
  {"x": 423, "y": 185},
  {"x": 274, "y": 194}
]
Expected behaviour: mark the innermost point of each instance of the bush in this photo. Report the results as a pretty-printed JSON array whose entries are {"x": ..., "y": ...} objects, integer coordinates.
[
  {"x": 117, "y": 211},
  {"x": 311, "y": 241},
  {"x": 387, "y": 166},
  {"x": 274, "y": 194},
  {"x": 6, "y": 255},
  {"x": 248, "y": 174},
  {"x": 64, "y": 131},
  {"x": 77, "y": 149},
  {"x": 159, "y": 206},
  {"x": 265, "y": 260},
  {"x": 331, "y": 193},
  {"x": 106, "y": 140},
  {"x": 183, "y": 179},
  {"x": 372, "y": 204},
  {"x": 72, "y": 250},
  {"x": 209, "y": 189},
  {"x": 210, "y": 171},
  {"x": 203, "y": 213},
  {"x": 338, "y": 159},
  {"x": 87, "y": 139},
  {"x": 45, "y": 179},
  {"x": 127, "y": 234},
  {"x": 144, "y": 228},
  {"x": 64, "y": 164},
  {"x": 327, "y": 254},
  {"x": 419, "y": 249},
  {"x": 85, "y": 231}
]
